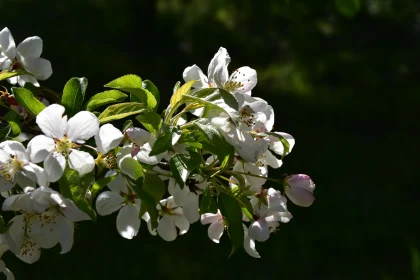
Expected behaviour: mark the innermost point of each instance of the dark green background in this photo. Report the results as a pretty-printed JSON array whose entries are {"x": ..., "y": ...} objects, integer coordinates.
[{"x": 347, "y": 88}]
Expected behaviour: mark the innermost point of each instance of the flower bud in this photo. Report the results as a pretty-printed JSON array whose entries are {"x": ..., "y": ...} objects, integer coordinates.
[{"x": 299, "y": 189}]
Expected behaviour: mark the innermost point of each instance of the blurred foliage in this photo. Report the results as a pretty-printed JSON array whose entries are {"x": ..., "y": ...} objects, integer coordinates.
[{"x": 343, "y": 77}]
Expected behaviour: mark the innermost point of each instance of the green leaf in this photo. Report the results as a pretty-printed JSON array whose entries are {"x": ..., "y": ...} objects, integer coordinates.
[
  {"x": 166, "y": 141},
  {"x": 217, "y": 144},
  {"x": 73, "y": 95},
  {"x": 4, "y": 131},
  {"x": 148, "y": 202},
  {"x": 182, "y": 165},
  {"x": 153, "y": 90},
  {"x": 207, "y": 203},
  {"x": 150, "y": 120},
  {"x": 14, "y": 121},
  {"x": 177, "y": 96},
  {"x": 348, "y": 8},
  {"x": 3, "y": 227},
  {"x": 28, "y": 101},
  {"x": 283, "y": 140},
  {"x": 246, "y": 206},
  {"x": 99, "y": 184},
  {"x": 176, "y": 87},
  {"x": 9, "y": 74},
  {"x": 154, "y": 186},
  {"x": 75, "y": 186},
  {"x": 133, "y": 85},
  {"x": 120, "y": 111},
  {"x": 233, "y": 213},
  {"x": 127, "y": 124},
  {"x": 105, "y": 98}
]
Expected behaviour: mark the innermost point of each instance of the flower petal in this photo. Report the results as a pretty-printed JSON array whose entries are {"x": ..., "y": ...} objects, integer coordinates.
[
  {"x": 40, "y": 147},
  {"x": 51, "y": 121},
  {"x": 300, "y": 196},
  {"x": 7, "y": 43},
  {"x": 64, "y": 230},
  {"x": 259, "y": 230},
  {"x": 166, "y": 228},
  {"x": 190, "y": 208},
  {"x": 108, "y": 138},
  {"x": 246, "y": 79},
  {"x": 81, "y": 161},
  {"x": 209, "y": 218},
  {"x": 249, "y": 246},
  {"x": 128, "y": 222},
  {"x": 138, "y": 135},
  {"x": 26, "y": 78},
  {"x": 82, "y": 126},
  {"x": 217, "y": 71},
  {"x": 215, "y": 231},
  {"x": 118, "y": 184},
  {"x": 277, "y": 146},
  {"x": 31, "y": 46},
  {"x": 182, "y": 224},
  {"x": 54, "y": 166},
  {"x": 108, "y": 202},
  {"x": 194, "y": 73},
  {"x": 40, "y": 68}
]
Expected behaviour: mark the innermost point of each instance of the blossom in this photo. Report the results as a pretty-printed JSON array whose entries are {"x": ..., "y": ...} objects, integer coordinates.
[
  {"x": 299, "y": 188},
  {"x": 47, "y": 219},
  {"x": 172, "y": 217},
  {"x": 15, "y": 167},
  {"x": 217, "y": 225},
  {"x": 187, "y": 197},
  {"x": 242, "y": 80},
  {"x": 25, "y": 56},
  {"x": 144, "y": 141},
  {"x": 123, "y": 199},
  {"x": 61, "y": 141}
]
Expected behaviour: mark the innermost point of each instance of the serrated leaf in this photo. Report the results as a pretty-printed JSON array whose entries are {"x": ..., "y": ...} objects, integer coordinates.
[
  {"x": 75, "y": 186},
  {"x": 348, "y": 8},
  {"x": 133, "y": 85},
  {"x": 28, "y": 101},
  {"x": 150, "y": 120},
  {"x": 147, "y": 84},
  {"x": 177, "y": 96},
  {"x": 99, "y": 184},
  {"x": 120, "y": 111},
  {"x": 14, "y": 121},
  {"x": 73, "y": 95},
  {"x": 231, "y": 210},
  {"x": 182, "y": 165},
  {"x": 105, "y": 98},
  {"x": 207, "y": 203}
]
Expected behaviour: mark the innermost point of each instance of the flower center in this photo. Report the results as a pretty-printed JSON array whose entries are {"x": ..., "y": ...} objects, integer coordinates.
[
  {"x": 246, "y": 116},
  {"x": 49, "y": 216},
  {"x": 9, "y": 169},
  {"x": 64, "y": 145}
]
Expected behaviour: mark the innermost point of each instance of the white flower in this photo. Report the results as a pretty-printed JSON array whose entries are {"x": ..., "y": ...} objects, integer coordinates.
[
  {"x": 242, "y": 80},
  {"x": 144, "y": 142},
  {"x": 187, "y": 197},
  {"x": 60, "y": 141},
  {"x": 15, "y": 167},
  {"x": 123, "y": 199},
  {"x": 251, "y": 169},
  {"x": 108, "y": 138},
  {"x": 25, "y": 56},
  {"x": 172, "y": 217},
  {"x": 249, "y": 244},
  {"x": 47, "y": 219},
  {"x": 217, "y": 226},
  {"x": 299, "y": 188}
]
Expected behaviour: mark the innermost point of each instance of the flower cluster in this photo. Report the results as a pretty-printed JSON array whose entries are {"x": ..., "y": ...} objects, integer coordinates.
[{"x": 205, "y": 158}]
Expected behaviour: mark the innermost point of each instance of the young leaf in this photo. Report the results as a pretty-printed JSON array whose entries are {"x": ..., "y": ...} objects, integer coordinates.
[
  {"x": 153, "y": 90},
  {"x": 177, "y": 96},
  {"x": 5, "y": 74},
  {"x": 99, "y": 184},
  {"x": 28, "y": 101},
  {"x": 105, "y": 98},
  {"x": 133, "y": 85},
  {"x": 75, "y": 186},
  {"x": 150, "y": 120},
  {"x": 73, "y": 95},
  {"x": 13, "y": 119},
  {"x": 120, "y": 111},
  {"x": 165, "y": 141},
  {"x": 233, "y": 213},
  {"x": 182, "y": 165}
]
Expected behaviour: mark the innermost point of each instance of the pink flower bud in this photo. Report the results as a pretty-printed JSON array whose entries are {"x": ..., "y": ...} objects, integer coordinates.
[{"x": 300, "y": 189}]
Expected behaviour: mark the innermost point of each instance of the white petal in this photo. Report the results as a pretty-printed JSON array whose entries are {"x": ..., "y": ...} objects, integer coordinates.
[
  {"x": 82, "y": 126},
  {"x": 128, "y": 166},
  {"x": 190, "y": 208},
  {"x": 144, "y": 157},
  {"x": 249, "y": 246},
  {"x": 118, "y": 184},
  {"x": 15, "y": 148},
  {"x": 72, "y": 213},
  {"x": 138, "y": 136},
  {"x": 215, "y": 231},
  {"x": 166, "y": 228},
  {"x": 81, "y": 161},
  {"x": 182, "y": 224},
  {"x": 43, "y": 234},
  {"x": 194, "y": 73},
  {"x": 31, "y": 46},
  {"x": 54, "y": 166},
  {"x": 5, "y": 185},
  {"x": 108, "y": 202},
  {"x": 40, "y": 147},
  {"x": 26, "y": 78},
  {"x": 40, "y": 68},
  {"x": 271, "y": 160},
  {"x": 300, "y": 196},
  {"x": 51, "y": 121},
  {"x": 26, "y": 179},
  {"x": 147, "y": 219},
  {"x": 217, "y": 71},
  {"x": 246, "y": 77},
  {"x": 209, "y": 218},
  {"x": 64, "y": 230},
  {"x": 259, "y": 230},
  {"x": 7, "y": 43},
  {"x": 40, "y": 174},
  {"x": 276, "y": 145},
  {"x": 108, "y": 138},
  {"x": 180, "y": 195},
  {"x": 128, "y": 222},
  {"x": 4, "y": 157},
  {"x": 301, "y": 181}
]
